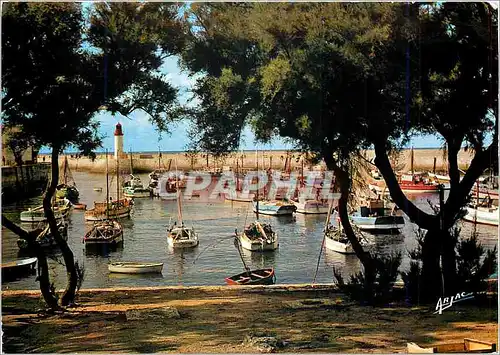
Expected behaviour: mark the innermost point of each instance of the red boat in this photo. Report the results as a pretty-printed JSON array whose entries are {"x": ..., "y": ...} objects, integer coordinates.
[
  {"x": 416, "y": 183},
  {"x": 254, "y": 277}
]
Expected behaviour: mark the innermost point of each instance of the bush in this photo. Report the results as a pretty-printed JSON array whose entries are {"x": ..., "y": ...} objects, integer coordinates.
[{"x": 375, "y": 288}]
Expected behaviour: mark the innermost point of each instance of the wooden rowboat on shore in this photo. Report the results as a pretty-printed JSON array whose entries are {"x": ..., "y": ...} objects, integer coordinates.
[
  {"x": 467, "y": 346},
  {"x": 253, "y": 277},
  {"x": 131, "y": 267}
]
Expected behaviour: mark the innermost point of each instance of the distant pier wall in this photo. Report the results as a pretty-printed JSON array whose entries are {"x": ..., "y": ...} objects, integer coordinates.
[
  {"x": 147, "y": 162},
  {"x": 25, "y": 181}
]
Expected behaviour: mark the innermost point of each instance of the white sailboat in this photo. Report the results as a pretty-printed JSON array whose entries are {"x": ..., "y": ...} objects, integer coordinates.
[
  {"x": 180, "y": 236},
  {"x": 336, "y": 239},
  {"x": 258, "y": 236}
]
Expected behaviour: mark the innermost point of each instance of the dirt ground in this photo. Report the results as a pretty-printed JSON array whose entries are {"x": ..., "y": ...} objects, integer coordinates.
[{"x": 217, "y": 319}]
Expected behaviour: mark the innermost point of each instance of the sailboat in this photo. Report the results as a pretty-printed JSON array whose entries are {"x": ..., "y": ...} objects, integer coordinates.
[
  {"x": 336, "y": 239},
  {"x": 67, "y": 188},
  {"x": 134, "y": 187},
  {"x": 251, "y": 277},
  {"x": 410, "y": 183},
  {"x": 180, "y": 236},
  {"x": 60, "y": 208},
  {"x": 258, "y": 236},
  {"x": 235, "y": 195},
  {"x": 309, "y": 206},
  {"x": 110, "y": 209},
  {"x": 105, "y": 230}
]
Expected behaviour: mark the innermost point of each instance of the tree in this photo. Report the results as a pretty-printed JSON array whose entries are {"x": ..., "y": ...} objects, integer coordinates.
[
  {"x": 336, "y": 78},
  {"x": 456, "y": 98},
  {"x": 293, "y": 70},
  {"x": 59, "y": 70}
]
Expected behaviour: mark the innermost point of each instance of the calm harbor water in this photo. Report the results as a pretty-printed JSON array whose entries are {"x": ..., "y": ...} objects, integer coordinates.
[{"x": 216, "y": 257}]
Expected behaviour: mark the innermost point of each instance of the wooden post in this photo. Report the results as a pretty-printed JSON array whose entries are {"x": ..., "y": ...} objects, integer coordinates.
[{"x": 434, "y": 166}]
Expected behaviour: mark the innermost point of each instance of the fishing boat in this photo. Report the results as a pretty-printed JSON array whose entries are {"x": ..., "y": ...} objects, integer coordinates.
[
  {"x": 178, "y": 235},
  {"x": 274, "y": 207},
  {"x": 104, "y": 232},
  {"x": 80, "y": 206},
  {"x": 335, "y": 238},
  {"x": 17, "y": 268},
  {"x": 487, "y": 188},
  {"x": 45, "y": 238},
  {"x": 253, "y": 277},
  {"x": 67, "y": 188},
  {"x": 119, "y": 208},
  {"x": 132, "y": 267},
  {"x": 60, "y": 208},
  {"x": 409, "y": 183},
  {"x": 134, "y": 188},
  {"x": 258, "y": 237},
  {"x": 307, "y": 206},
  {"x": 485, "y": 212},
  {"x": 373, "y": 217}
]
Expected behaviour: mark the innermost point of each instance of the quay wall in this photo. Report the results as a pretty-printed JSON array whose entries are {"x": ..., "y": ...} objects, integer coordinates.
[
  {"x": 147, "y": 162},
  {"x": 25, "y": 181}
]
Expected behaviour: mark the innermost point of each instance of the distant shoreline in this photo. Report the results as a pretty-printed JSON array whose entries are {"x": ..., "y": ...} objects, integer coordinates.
[{"x": 235, "y": 152}]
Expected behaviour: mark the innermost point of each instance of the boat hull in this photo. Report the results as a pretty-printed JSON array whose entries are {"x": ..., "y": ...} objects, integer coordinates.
[
  {"x": 254, "y": 277},
  {"x": 272, "y": 209},
  {"x": 188, "y": 238},
  {"x": 18, "y": 268},
  {"x": 135, "y": 268},
  {"x": 379, "y": 224},
  {"x": 311, "y": 207},
  {"x": 339, "y": 247},
  {"x": 489, "y": 217},
  {"x": 257, "y": 245}
]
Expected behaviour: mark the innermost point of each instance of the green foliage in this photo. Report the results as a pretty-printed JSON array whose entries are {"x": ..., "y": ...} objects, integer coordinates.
[
  {"x": 61, "y": 67},
  {"x": 378, "y": 292},
  {"x": 474, "y": 266}
]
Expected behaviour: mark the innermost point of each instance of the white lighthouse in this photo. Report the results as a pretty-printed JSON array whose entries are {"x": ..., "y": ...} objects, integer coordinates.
[{"x": 118, "y": 141}]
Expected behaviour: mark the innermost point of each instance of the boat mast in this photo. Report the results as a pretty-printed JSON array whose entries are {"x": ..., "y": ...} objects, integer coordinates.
[
  {"x": 411, "y": 161},
  {"x": 241, "y": 256},
  {"x": 131, "y": 163},
  {"x": 179, "y": 208},
  {"x": 117, "y": 179},
  {"x": 107, "y": 186},
  {"x": 257, "y": 188}
]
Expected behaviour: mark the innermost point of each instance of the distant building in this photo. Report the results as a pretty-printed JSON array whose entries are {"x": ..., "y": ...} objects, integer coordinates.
[
  {"x": 10, "y": 149},
  {"x": 118, "y": 141}
]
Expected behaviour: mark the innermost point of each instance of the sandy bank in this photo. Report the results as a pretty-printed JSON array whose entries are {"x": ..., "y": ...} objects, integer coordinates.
[
  {"x": 147, "y": 162},
  {"x": 217, "y": 320}
]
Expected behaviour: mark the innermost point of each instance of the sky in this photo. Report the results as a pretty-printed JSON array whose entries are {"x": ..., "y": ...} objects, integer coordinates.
[{"x": 140, "y": 135}]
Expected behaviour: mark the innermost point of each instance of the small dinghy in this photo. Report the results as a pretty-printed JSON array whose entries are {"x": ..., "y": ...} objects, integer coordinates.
[
  {"x": 17, "y": 268},
  {"x": 131, "y": 267},
  {"x": 253, "y": 277}
]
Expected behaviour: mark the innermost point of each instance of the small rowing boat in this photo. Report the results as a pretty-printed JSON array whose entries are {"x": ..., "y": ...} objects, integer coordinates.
[
  {"x": 16, "y": 268},
  {"x": 131, "y": 267},
  {"x": 254, "y": 277}
]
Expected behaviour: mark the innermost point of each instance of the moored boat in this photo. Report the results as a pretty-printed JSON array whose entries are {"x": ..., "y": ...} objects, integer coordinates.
[
  {"x": 274, "y": 208},
  {"x": 17, "y": 268},
  {"x": 45, "y": 239},
  {"x": 336, "y": 240},
  {"x": 253, "y": 277},
  {"x": 113, "y": 209},
  {"x": 258, "y": 237},
  {"x": 311, "y": 206},
  {"x": 105, "y": 232},
  {"x": 482, "y": 214},
  {"x": 67, "y": 188},
  {"x": 60, "y": 208},
  {"x": 372, "y": 216},
  {"x": 132, "y": 267}
]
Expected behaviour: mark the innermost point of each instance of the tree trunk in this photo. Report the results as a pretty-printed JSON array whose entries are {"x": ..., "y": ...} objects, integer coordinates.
[
  {"x": 344, "y": 183},
  {"x": 70, "y": 291},
  {"x": 43, "y": 268}
]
